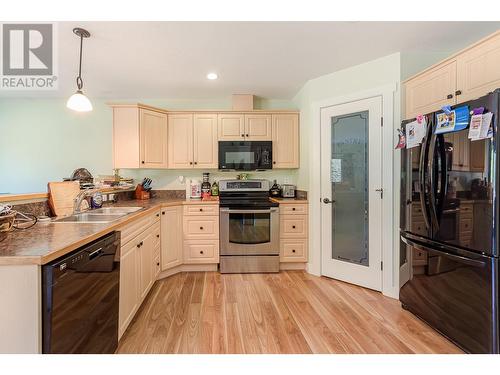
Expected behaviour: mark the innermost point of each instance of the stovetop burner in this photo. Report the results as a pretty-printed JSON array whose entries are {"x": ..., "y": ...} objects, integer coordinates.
[{"x": 245, "y": 194}]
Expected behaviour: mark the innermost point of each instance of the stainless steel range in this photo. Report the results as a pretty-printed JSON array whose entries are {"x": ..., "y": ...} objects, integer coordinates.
[{"x": 249, "y": 227}]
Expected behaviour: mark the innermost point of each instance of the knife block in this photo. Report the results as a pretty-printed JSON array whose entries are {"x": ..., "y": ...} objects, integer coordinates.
[{"x": 140, "y": 193}]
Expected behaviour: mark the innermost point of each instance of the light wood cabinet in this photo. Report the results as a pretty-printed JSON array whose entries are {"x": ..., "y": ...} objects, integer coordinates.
[
  {"x": 258, "y": 127},
  {"x": 137, "y": 267},
  {"x": 139, "y": 137},
  {"x": 171, "y": 237},
  {"x": 205, "y": 141},
  {"x": 146, "y": 265},
  {"x": 477, "y": 155},
  {"x": 285, "y": 136},
  {"x": 231, "y": 127},
  {"x": 460, "y": 160},
  {"x": 430, "y": 91},
  {"x": 467, "y": 75},
  {"x": 293, "y": 232},
  {"x": 477, "y": 70},
  {"x": 180, "y": 141},
  {"x": 192, "y": 141},
  {"x": 201, "y": 234}
]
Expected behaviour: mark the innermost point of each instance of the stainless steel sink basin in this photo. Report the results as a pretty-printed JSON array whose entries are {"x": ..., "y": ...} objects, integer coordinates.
[
  {"x": 101, "y": 215},
  {"x": 115, "y": 210}
]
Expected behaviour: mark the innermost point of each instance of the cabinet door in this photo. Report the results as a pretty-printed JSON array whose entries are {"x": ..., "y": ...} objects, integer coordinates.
[
  {"x": 171, "y": 237},
  {"x": 129, "y": 285},
  {"x": 231, "y": 127},
  {"x": 153, "y": 135},
  {"x": 477, "y": 155},
  {"x": 126, "y": 143},
  {"x": 477, "y": 70},
  {"x": 146, "y": 275},
  {"x": 180, "y": 141},
  {"x": 285, "y": 141},
  {"x": 431, "y": 90},
  {"x": 205, "y": 141},
  {"x": 258, "y": 127}
]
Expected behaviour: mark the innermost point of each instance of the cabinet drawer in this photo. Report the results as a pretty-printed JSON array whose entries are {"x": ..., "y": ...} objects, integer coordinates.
[
  {"x": 206, "y": 227},
  {"x": 201, "y": 251},
  {"x": 293, "y": 209},
  {"x": 419, "y": 257},
  {"x": 293, "y": 226},
  {"x": 465, "y": 224},
  {"x": 131, "y": 230},
  {"x": 293, "y": 250},
  {"x": 465, "y": 211},
  {"x": 201, "y": 209},
  {"x": 418, "y": 227}
]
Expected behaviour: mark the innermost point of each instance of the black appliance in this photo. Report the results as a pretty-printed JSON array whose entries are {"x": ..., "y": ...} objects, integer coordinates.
[
  {"x": 245, "y": 156},
  {"x": 80, "y": 299},
  {"x": 453, "y": 236},
  {"x": 249, "y": 227}
]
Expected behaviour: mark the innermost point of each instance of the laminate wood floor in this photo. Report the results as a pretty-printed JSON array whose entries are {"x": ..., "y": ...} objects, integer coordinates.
[{"x": 289, "y": 312}]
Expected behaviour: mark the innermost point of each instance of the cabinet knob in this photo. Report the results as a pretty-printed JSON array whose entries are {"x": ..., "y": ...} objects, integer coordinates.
[
  {"x": 163, "y": 212},
  {"x": 293, "y": 226},
  {"x": 190, "y": 163},
  {"x": 293, "y": 208},
  {"x": 142, "y": 162},
  {"x": 274, "y": 162},
  {"x": 201, "y": 251},
  {"x": 157, "y": 236},
  {"x": 201, "y": 228},
  {"x": 201, "y": 209},
  {"x": 293, "y": 251},
  {"x": 458, "y": 92},
  {"x": 157, "y": 263},
  {"x": 449, "y": 96},
  {"x": 157, "y": 215},
  {"x": 243, "y": 135},
  {"x": 246, "y": 135}
]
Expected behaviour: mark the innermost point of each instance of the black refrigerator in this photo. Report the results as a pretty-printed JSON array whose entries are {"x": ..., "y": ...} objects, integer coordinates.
[{"x": 449, "y": 230}]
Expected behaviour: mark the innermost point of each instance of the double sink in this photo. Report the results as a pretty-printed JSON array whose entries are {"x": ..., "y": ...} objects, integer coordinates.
[{"x": 101, "y": 215}]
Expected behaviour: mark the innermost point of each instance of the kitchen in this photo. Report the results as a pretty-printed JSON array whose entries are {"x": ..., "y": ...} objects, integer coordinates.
[{"x": 200, "y": 211}]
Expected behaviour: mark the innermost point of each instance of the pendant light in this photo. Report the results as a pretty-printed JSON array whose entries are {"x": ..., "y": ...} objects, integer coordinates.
[{"x": 78, "y": 101}]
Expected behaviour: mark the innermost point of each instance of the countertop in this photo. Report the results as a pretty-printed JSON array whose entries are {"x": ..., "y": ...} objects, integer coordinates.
[{"x": 45, "y": 242}]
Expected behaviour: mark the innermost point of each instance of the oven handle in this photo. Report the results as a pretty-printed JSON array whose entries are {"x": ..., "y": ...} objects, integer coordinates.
[{"x": 228, "y": 210}]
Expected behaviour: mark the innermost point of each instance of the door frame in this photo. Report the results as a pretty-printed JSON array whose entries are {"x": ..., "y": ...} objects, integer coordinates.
[{"x": 390, "y": 181}]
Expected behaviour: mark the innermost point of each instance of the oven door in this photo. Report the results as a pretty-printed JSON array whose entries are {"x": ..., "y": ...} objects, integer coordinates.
[
  {"x": 245, "y": 156},
  {"x": 249, "y": 231}
]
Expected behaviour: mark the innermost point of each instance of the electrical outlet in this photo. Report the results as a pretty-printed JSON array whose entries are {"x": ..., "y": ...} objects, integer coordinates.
[{"x": 104, "y": 197}]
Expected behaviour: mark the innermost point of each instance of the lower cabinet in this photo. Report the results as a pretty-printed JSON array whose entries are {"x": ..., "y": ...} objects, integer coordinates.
[
  {"x": 171, "y": 237},
  {"x": 201, "y": 234},
  {"x": 293, "y": 232},
  {"x": 138, "y": 268}
]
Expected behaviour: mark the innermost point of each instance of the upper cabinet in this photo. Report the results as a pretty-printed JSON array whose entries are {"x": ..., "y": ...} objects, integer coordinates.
[
  {"x": 478, "y": 70},
  {"x": 192, "y": 141},
  {"x": 139, "y": 137},
  {"x": 429, "y": 92},
  {"x": 285, "y": 136},
  {"x": 258, "y": 127},
  {"x": 244, "y": 127},
  {"x": 467, "y": 75}
]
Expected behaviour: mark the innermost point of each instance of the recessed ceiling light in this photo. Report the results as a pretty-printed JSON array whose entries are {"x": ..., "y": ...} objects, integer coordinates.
[{"x": 212, "y": 76}]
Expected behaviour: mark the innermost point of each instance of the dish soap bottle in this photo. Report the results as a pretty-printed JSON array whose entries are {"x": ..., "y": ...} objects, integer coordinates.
[{"x": 215, "y": 189}]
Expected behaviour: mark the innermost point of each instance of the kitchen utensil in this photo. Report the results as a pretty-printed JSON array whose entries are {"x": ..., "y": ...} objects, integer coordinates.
[{"x": 62, "y": 196}]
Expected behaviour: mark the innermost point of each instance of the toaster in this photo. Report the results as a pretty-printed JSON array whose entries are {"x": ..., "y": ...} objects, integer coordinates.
[{"x": 288, "y": 191}]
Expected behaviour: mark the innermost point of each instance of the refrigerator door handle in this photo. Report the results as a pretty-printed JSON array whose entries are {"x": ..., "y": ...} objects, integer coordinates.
[
  {"x": 457, "y": 258},
  {"x": 422, "y": 177},
  {"x": 432, "y": 183}
]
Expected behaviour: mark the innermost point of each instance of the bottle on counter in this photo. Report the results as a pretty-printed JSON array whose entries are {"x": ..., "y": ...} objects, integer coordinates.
[
  {"x": 195, "y": 189},
  {"x": 215, "y": 189},
  {"x": 205, "y": 186}
]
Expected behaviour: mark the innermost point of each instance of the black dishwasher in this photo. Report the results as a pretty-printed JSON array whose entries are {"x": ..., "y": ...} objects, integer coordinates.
[{"x": 80, "y": 294}]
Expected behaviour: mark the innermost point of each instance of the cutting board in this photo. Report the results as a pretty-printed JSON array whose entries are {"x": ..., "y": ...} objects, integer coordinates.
[{"x": 62, "y": 196}]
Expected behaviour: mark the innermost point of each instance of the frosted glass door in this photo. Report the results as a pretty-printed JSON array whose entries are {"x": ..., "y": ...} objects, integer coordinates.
[
  {"x": 351, "y": 192},
  {"x": 349, "y": 179}
]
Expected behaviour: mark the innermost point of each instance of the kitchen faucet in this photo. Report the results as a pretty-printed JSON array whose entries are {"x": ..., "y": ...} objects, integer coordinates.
[{"x": 79, "y": 199}]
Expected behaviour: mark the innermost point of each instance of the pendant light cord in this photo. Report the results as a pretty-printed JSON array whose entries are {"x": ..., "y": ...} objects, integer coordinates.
[{"x": 79, "y": 81}]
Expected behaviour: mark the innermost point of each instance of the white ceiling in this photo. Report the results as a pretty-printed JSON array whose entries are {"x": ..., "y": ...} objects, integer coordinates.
[{"x": 269, "y": 59}]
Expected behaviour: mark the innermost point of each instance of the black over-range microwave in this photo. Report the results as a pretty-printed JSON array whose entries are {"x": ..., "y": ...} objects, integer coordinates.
[{"x": 245, "y": 156}]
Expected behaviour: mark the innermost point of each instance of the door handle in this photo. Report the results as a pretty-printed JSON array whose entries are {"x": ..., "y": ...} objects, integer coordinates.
[
  {"x": 381, "y": 191},
  {"x": 326, "y": 200}
]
